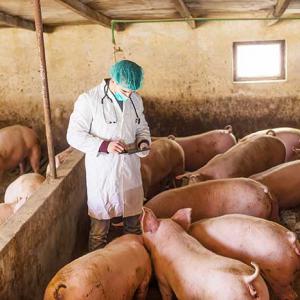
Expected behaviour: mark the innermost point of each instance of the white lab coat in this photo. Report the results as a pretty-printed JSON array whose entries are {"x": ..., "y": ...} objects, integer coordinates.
[{"x": 114, "y": 184}]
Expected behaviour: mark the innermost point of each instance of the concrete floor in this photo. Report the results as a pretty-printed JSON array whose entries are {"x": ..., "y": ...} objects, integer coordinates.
[{"x": 289, "y": 218}]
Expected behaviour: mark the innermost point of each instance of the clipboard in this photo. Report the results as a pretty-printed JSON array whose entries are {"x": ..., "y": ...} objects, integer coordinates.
[{"x": 134, "y": 150}]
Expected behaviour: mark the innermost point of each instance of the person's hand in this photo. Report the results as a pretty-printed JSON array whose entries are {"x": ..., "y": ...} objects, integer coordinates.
[
  {"x": 115, "y": 147},
  {"x": 144, "y": 145}
]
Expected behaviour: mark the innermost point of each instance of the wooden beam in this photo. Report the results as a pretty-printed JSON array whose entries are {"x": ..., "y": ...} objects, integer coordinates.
[
  {"x": 278, "y": 11},
  {"x": 280, "y": 7},
  {"x": 184, "y": 11},
  {"x": 14, "y": 21},
  {"x": 86, "y": 12}
]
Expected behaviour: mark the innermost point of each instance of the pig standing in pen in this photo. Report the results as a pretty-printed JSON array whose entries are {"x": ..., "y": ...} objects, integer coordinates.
[
  {"x": 185, "y": 268},
  {"x": 16, "y": 144},
  {"x": 217, "y": 197},
  {"x": 165, "y": 161},
  {"x": 242, "y": 160},
  {"x": 246, "y": 238},
  {"x": 119, "y": 271}
]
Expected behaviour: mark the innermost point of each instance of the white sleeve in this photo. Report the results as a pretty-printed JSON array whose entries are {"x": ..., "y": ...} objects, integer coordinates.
[
  {"x": 78, "y": 134},
  {"x": 142, "y": 132}
]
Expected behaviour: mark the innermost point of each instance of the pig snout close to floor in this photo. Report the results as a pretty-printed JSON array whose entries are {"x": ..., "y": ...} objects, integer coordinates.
[
  {"x": 185, "y": 268},
  {"x": 119, "y": 271},
  {"x": 217, "y": 197},
  {"x": 273, "y": 247},
  {"x": 16, "y": 144}
]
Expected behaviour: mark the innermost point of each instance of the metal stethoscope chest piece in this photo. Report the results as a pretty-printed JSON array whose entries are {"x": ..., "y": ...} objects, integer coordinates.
[{"x": 115, "y": 119}]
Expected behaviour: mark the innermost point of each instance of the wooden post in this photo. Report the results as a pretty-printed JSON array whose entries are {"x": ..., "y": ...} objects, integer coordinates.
[{"x": 45, "y": 90}]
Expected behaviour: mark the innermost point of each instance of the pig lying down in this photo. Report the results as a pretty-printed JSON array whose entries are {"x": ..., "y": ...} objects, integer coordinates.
[
  {"x": 119, "y": 271},
  {"x": 16, "y": 144},
  {"x": 217, "y": 197},
  {"x": 190, "y": 271},
  {"x": 273, "y": 247}
]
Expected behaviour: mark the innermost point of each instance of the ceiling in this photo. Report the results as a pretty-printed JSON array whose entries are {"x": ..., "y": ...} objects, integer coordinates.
[{"x": 19, "y": 13}]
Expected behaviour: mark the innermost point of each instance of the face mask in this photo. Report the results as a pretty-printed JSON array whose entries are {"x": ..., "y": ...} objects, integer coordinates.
[{"x": 120, "y": 97}]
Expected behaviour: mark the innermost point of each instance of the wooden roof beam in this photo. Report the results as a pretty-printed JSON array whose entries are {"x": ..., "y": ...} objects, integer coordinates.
[
  {"x": 86, "y": 12},
  {"x": 14, "y": 21},
  {"x": 278, "y": 11},
  {"x": 280, "y": 7},
  {"x": 184, "y": 12}
]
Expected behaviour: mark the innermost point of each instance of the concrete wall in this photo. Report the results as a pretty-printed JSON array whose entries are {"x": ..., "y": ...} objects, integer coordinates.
[
  {"x": 188, "y": 75},
  {"x": 45, "y": 234}
]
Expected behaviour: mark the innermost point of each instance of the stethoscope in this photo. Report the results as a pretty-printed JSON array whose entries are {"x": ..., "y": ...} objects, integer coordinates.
[{"x": 106, "y": 88}]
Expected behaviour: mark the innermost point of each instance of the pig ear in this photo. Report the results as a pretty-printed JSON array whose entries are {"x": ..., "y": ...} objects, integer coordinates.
[
  {"x": 149, "y": 221},
  {"x": 183, "y": 218}
]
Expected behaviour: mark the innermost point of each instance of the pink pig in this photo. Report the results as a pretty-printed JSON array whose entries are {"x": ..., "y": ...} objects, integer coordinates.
[{"x": 185, "y": 267}]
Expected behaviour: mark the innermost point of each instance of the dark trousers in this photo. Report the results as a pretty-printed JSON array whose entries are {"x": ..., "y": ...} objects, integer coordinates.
[{"x": 99, "y": 230}]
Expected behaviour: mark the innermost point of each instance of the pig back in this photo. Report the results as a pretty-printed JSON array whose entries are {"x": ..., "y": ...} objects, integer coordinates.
[
  {"x": 216, "y": 197},
  {"x": 16, "y": 143},
  {"x": 284, "y": 181},
  {"x": 114, "y": 272},
  {"x": 246, "y": 238},
  {"x": 245, "y": 158},
  {"x": 288, "y": 135},
  {"x": 200, "y": 148},
  {"x": 166, "y": 158}
]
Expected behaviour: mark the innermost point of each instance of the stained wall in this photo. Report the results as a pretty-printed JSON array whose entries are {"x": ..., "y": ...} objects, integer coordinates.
[{"x": 188, "y": 75}]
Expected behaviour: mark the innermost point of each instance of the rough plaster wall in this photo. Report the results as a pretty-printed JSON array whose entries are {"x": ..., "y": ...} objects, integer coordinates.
[
  {"x": 48, "y": 232},
  {"x": 188, "y": 75}
]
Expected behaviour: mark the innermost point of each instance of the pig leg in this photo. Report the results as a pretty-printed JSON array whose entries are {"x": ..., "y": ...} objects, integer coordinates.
[
  {"x": 284, "y": 293},
  {"x": 275, "y": 208},
  {"x": 165, "y": 290},
  {"x": 142, "y": 290},
  {"x": 34, "y": 158},
  {"x": 22, "y": 167}
]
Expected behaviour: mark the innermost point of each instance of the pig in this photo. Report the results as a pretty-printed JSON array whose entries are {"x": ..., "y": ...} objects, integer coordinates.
[
  {"x": 23, "y": 187},
  {"x": 199, "y": 149},
  {"x": 60, "y": 158},
  {"x": 117, "y": 272},
  {"x": 246, "y": 158},
  {"x": 217, "y": 197},
  {"x": 7, "y": 210},
  {"x": 166, "y": 159},
  {"x": 190, "y": 271},
  {"x": 284, "y": 182},
  {"x": 17, "y": 143},
  {"x": 273, "y": 247},
  {"x": 289, "y": 136}
]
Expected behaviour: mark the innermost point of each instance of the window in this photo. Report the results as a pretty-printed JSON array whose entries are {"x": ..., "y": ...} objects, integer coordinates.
[{"x": 259, "y": 61}]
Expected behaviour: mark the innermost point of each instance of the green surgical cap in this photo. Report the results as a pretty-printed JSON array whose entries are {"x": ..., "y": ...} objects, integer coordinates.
[{"x": 127, "y": 74}]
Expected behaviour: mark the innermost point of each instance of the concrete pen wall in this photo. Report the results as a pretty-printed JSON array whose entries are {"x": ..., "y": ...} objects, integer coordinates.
[{"x": 46, "y": 233}]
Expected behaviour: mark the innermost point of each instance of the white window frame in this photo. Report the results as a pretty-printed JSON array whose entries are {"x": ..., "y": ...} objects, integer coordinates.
[{"x": 282, "y": 75}]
